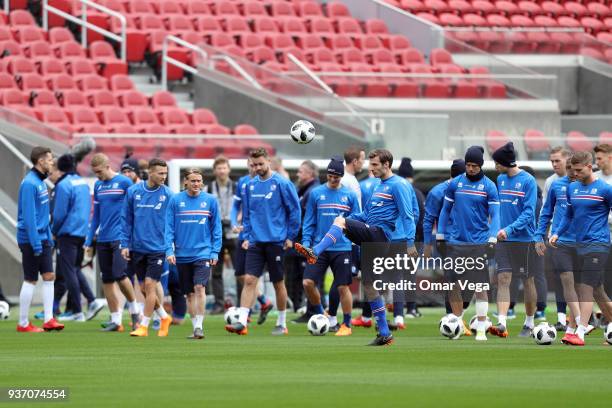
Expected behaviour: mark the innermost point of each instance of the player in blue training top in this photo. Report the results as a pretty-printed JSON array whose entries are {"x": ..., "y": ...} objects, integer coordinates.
[
  {"x": 589, "y": 200},
  {"x": 193, "y": 242},
  {"x": 271, "y": 217},
  {"x": 517, "y": 196},
  {"x": 472, "y": 203},
  {"x": 376, "y": 223},
  {"x": 35, "y": 242},
  {"x": 325, "y": 203},
  {"x": 239, "y": 259},
  {"x": 144, "y": 219},
  {"x": 109, "y": 195}
]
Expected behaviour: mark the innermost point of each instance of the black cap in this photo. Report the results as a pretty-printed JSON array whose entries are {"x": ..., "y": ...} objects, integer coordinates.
[
  {"x": 505, "y": 155},
  {"x": 66, "y": 163},
  {"x": 457, "y": 168},
  {"x": 405, "y": 168},
  {"x": 129, "y": 164},
  {"x": 475, "y": 154},
  {"x": 336, "y": 166}
]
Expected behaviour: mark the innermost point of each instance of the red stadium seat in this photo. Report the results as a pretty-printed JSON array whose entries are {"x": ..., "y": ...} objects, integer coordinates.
[
  {"x": 578, "y": 141},
  {"x": 102, "y": 53},
  {"x": 309, "y": 9},
  {"x": 61, "y": 82},
  {"x": 72, "y": 97},
  {"x": 43, "y": 97},
  {"x": 495, "y": 139},
  {"x": 82, "y": 117},
  {"x": 223, "y": 7},
  {"x": 19, "y": 65},
  {"x": 162, "y": 99},
  {"x": 605, "y": 137},
  {"x": 168, "y": 7},
  {"x": 11, "y": 97},
  {"x": 119, "y": 83},
  {"x": 132, "y": 98},
  {"x": 102, "y": 99},
  {"x": 70, "y": 50},
  {"x": 437, "y": 6},
  {"x": 536, "y": 143},
  {"x": 7, "y": 81},
  {"x": 279, "y": 9},
  {"x": 253, "y": 8},
  {"x": 31, "y": 82},
  {"x": 348, "y": 25},
  {"x": 114, "y": 116},
  {"x": 21, "y": 18},
  {"x": 195, "y": 7},
  {"x": 340, "y": 42},
  {"x": 321, "y": 26},
  {"x": 484, "y": 7},
  {"x": 203, "y": 117},
  {"x": 336, "y": 9},
  {"x": 143, "y": 117},
  {"x": 140, "y": 7},
  {"x": 529, "y": 8},
  {"x": 173, "y": 116},
  {"x": 81, "y": 66},
  {"x": 245, "y": 129},
  {"x": 26, "y": 34},
  {"x": 376, "y": 26},
  {"x": 37, "y": 49},
  {"x": 89, "y": 83},
  {"x": 265, "y": 25},
  {"x": 292, "y": 25}
]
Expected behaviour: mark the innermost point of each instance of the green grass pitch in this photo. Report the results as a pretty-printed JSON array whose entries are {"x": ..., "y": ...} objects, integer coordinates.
[{"x": 420, "y": 369}]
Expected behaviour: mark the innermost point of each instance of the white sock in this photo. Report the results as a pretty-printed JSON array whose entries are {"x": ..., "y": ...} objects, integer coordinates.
[
  {"x": 25, "y": 299},
  {"x": 580, "y": 332},
  {"x": 145, "y": 321},
  {"x": 133, "y": 307},
  {"x": 47, "y": 287},
  {"x": 194, "y": 322},
  {"x": 282, "y": 318},
  {"x": 570, "y": 330},
  {"x": 561, "y": 317},
  {"x": 140, "y": 305},
  {"x": 577, "y": 321},
  {"x": 399, "y": 319},
  {"x": 116, "y": 317},
  {"x": 244, "y": 315},
  {"x": 199, "y": 321},
  {"x": 501, "y": 319},
  {"x": 366, "y": 319},
  {"x": 333, "y": 320},
  {"x": 480, "y": 325},
  {"x": 482, "y": 308},
  {"x": 529, "y": 322},
  {"x": 161, "y": 312}
]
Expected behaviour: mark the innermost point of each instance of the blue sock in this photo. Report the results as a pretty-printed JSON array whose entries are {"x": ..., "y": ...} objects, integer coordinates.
[
  {"x": 561, "y": 307},
  {"x": 250, "y": 312},
  {"x": 347, "y": 319},
  {"x": 398, "y": 309},
  {"x": 379, "y": 312},
  {"x": 334, "y": 300},
  {"x": 262, "y": 299},
  {"x": 330, "y": 238},
  {"x": 367, "y": 310},
  {"x": 318, "y": 309},
  {"x": 56, "y": 308}
]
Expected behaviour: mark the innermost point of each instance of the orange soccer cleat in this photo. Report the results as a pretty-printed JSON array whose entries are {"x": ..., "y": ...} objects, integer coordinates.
[
  {"x": 30, "y": 328},
  {"x": 52, "y": 324},
  {"x": 359, "y": 322}
]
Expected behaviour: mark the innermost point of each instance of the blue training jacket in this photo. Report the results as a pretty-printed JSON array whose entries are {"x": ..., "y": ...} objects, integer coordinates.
[
  {"x": 33, "y": 211},
  {"x": 144, "y": 218},
  {"x": 400, "y": 234},
  {"x": 109, "y": 196},
  {"x": 193, "y": 227},
  {"x": 241, "y": 188},
  {"x": 554, "y": 208},
  {"x": 433, "y": 208},
  {"x": 72, "y": 207},
  {"x": 323, "y": 206},
  {"x": 271, "y": 210},
  {"x": 367, "y": 188},
  {"x": 518, "y": 196}
]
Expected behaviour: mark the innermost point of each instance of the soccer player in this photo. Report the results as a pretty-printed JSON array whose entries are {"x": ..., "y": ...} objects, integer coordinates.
[
  {"x": 271, "y": 216},
  {"x": 354, "y": 158},
  {"x": 325, "y": 203},
  {"x": 517, "y": 196},
  {"x": 603, "y": 158},
  {"x": 143, "y": 241},
  {"x": 563, "y": 256},
  {"x": 390, "y": 201},
  {"x": 589, "y": 200},
  {"x": 35, "y": 242},
  {"x": 109, "y": 195},
  {"x": 193, "y": 243},
  {"x": 471, "y": 202}
]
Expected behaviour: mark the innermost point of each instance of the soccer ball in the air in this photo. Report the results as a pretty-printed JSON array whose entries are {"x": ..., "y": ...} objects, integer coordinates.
[
  {"x": 232, "y": 315},
  {"x": 302, "y": 132},
  {"x": 318, "y": 325},
  {"x": 450, "y": 327},
  {"x": 544, "y": 334},
  {"x": 474, "y": 323},
  {"x": 5, "y": 310},
  {"x": 608, "y": 333}
]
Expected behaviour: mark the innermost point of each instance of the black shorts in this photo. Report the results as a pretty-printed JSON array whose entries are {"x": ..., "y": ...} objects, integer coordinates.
[
  {"x": 260, "y": 254},
  {"x": 113, "y": 267},
  {"x": 148, "y": 265},
  {"x": 564, "y": 258},
  {"x": 340, "y": 263},
  {"x": 591, "y": 268},
  {"x": 33, "y": 265},
  {"x": 239, "y": 260},
  {"x": 358, "y": 232},
  {"x": 469, "y": 263},
  {"x": 193, "y": 273},
  {"x": 513, "y": 257}
]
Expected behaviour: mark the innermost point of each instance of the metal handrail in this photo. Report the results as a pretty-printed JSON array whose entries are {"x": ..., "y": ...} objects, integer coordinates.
[
  {"x": 517, "y": 29},
  {"x": 169, "y": 60},
  {"x": 122, "y": 39},
  {"x": 21, "y": 157},
  {"x": 238, "y": 69},
  {"x": 430, "y": 75}
]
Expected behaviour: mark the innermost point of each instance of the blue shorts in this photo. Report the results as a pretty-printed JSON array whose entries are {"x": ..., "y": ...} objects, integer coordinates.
[
  {"x": 564, "y": 258},
  {"x": 591, "y": 268},
  {"x": 113, "y": 267},
  {"x": 513, "y": 257},
  {"x": 33, "y": 265},
  {"x": 260, "y": 254},
  {"x": 358, "y": 232},
  {"x": 239, "y": 260},
  {"x": 340, "y": 263},
  {"x": 148, "y": 265},
  {"x": 193, "y": 273}
]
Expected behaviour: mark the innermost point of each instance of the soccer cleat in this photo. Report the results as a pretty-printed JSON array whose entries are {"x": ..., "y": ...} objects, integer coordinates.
[
  {"x": 198, "y": 334},
  {"x": 413, "y": 314},
  {"x": 113, "y": 327},
  {"x": 499, "y": 330},
  {"x": 481, "y": 335},
  {"x": 540, "y": 316},
  {"x": 567, "y": 337},
  {"x": 466, "y": 329},
  {"x": 382, "y": 340},
  {"x": 574, "y": 341},
  {"x": 94, "y": 308},
  {"x": 280, "y": 331},
  {"x": 53, "y": 325},
  {"x": 589, "y": 329},
  {"x": 66, "y": 316},
  {"x": 359, "y": 322},
  {"x": 164, "y": 327},
  {"x": 105, "y": 324},
  {"x": 334, "y": 329},
  {"x": 302, "y": 319},
  {"x": 30, "y": 328},
  {"x": 560, "y": 327},
  {"x": 526, "y": 331},
  {"x": 141, "y": 331},
  {"x": 237, "y": 328},
  {"x": 135, "y": 320},
  {"x": 344, "y": 331},
  {"x": 263, "y": 313},
  {"x": 396, "y": 326},
  {"x": 39, "y": 315},
  {"x": 307, "y": 253}
]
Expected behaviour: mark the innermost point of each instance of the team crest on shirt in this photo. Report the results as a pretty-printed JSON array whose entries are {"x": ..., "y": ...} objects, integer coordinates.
[
  {"x": 346, "y": 261},
  {"x": 162, "y": 198},
  {"x": 40, "y": 188},
  {"x": 575, "y": 190},
  {"x": 460, "y": 185},
  {"x": 137, "y": 197},
  {"x": 517, "y": 185},
  {"x": 481, "y": 186},
  {"x": 386, "y": 188},
  {"x": 273, "y": 187},
  {"x": 344, "y": 199},
  {"x": 252, "y": 187},
  {"x": 593, "y": 191},
  {"x": 203, "y": 205},
  {"x": 115, "y": 185},
  {"x": 322, "y": 196},
  {"x": 182, "y": 204},
  {"x": 503, "y": 182},
  {"x": 563, "y": 188}
]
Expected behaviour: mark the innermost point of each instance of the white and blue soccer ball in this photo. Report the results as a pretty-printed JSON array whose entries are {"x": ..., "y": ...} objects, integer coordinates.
[
  {"x": 302, "y": 132},
  {"x": 474, "y": 324},
  {"x": 544, "y": 334},
  {"x": 608, "y": 333},
  {"x": 5, "y": 310},
  {"x": 451, "y": 327},
  {"x": 318, "y": 325},
  {"x": 232, "y": 315}
]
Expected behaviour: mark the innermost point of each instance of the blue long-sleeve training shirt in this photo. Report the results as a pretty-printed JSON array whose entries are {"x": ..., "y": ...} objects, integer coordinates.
[
  {"x": 109, "y": 196},
  {"x": 271, "y": 210},
  {"x": 241, "y": 188},
  {"x": 518, "y": 196},
  {"x": 470, "y": 204},
  {"x": 390, "y": 201},
  {"x": 323, "y": 206},
  {"x": 400, "y": 234},
  {"x": 554, "y": 208},
  {"x": 193, "y": 227},
  {"x": 588, "y": 207},
  {"x": 72, "y": 207},
  {"x": 433, "y": 207},
  {"x": 367, "y": 188},
  {"x": 33, "y": 211},
  {"x": 144, "y": 218}
]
